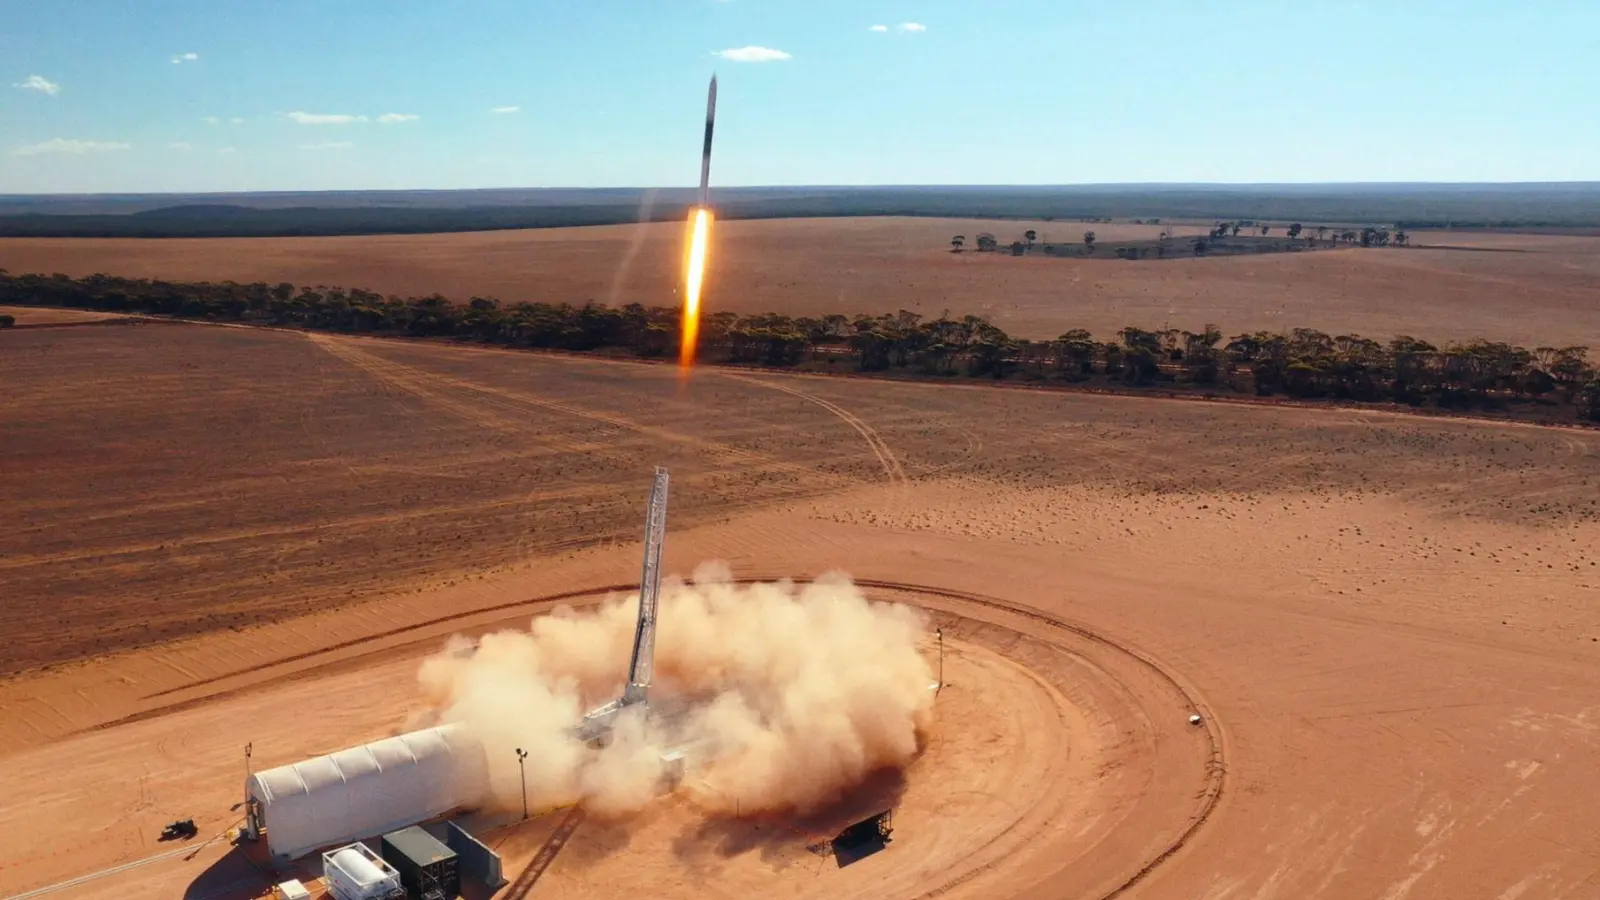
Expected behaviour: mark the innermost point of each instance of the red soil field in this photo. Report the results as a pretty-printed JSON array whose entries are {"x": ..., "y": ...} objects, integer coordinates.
[
  {"x": 1527, "y": 289},
  {"x": 214, "y": 535},
  {"x": 27, "y": 316}
]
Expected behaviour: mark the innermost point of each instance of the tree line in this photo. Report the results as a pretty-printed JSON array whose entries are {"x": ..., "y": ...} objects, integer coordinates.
[
  {"x": 1369, "y": 236},
  {"x": 1482, "y": 375}
]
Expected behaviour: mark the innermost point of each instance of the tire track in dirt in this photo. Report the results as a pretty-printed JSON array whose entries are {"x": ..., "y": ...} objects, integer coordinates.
[
  {"x": 886, "y": 457},
  {"x": 514, "y": 404},
  {"x": 1216, "y": 737},
  {"x": 214, "y": 539},
  {"x": 974, "y": 446}
]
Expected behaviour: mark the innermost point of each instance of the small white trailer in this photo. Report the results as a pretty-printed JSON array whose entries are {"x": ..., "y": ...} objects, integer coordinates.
[{"x": 356, "y": 873}]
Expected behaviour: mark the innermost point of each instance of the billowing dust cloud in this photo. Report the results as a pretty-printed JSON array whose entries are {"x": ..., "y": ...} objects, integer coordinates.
[{"x": 782, "y": 696}]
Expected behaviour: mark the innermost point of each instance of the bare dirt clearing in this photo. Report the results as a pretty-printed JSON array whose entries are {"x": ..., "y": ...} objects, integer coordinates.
[
  {"x": 1388, "y": 621},
  {"x": 1540, "y": 295}
]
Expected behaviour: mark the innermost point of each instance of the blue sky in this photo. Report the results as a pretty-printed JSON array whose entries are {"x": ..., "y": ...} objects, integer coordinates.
[{"x": 291, "y": 95}]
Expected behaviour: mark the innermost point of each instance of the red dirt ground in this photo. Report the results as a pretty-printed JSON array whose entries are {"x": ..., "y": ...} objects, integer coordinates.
[
  {"x": 1386, "y": 621},
  {"x": 1529, "y": 289}
]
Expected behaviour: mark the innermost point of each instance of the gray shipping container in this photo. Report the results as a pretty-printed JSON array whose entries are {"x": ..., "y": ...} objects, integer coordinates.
[{"x": 428, "y": 869}]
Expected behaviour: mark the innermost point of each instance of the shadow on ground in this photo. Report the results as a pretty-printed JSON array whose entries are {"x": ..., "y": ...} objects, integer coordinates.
[
  {"x": 791, "y": 839},
  {"x": 234, "y": 875}
]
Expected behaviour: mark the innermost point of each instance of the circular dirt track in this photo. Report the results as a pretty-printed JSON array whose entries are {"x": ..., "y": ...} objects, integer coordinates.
[
  {"x": 1060, "y": 764},
  {"x": 1091, "y": 803}
]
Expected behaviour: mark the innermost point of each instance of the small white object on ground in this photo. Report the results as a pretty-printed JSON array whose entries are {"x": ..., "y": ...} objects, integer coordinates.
[{"x": 1194, "y": 719}]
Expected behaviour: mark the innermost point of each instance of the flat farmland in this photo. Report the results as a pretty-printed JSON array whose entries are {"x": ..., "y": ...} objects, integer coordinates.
[
  {"x": 218, "y": 534},
  {"x": 181, "y": 479},
  {"x": 27, "y": 316},
  {"x": 177, "y": 479},
  {"x": 1528, "y": 289}
]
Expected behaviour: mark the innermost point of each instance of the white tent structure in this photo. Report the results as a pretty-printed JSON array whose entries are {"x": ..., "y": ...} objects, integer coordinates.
[{"x": 365, "y": 791}]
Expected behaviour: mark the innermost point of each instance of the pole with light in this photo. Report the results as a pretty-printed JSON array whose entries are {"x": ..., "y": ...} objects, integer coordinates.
[
  {"x": 939, "y": 632},
  {"x": 521, "y": 770}
]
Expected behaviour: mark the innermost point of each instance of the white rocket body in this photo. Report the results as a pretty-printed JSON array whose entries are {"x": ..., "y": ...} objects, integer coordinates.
[{"x": 705, "y": 153}]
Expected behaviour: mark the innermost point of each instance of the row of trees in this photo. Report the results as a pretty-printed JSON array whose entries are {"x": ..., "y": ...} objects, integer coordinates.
[
  {"x": 1302, "y": 363},
  {"x": 1366, "y": 237},
  {"x": 988, "y": 243}
]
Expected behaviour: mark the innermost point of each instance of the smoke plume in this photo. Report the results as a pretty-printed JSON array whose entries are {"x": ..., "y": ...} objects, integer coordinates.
[{"x": 781, "y": 696}]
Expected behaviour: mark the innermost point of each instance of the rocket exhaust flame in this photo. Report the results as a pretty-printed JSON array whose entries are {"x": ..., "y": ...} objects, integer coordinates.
[
  {"x": 695, "y": 267},
  {"x": 699, "y": 243}
]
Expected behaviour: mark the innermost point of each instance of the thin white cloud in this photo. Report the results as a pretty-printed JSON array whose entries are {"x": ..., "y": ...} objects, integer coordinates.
[
  {"x": 182, "y": 58},
  {"x": 914, "y": 27},
  {"x": 179, "y": 145},
  {"x": 211, "y": 120},
  {"x": 64, "y": 145},
  {"x": 505, "y": 110},
  {"x": 305, "y": 118},
  {"x": 330, "y": 145},
  {"x": 39, "y": 83},
  {"x": 237, "y": 120},
  {"x": 390, "y": 118},
  {"x": 227, "y": 150},
  {"x": 752, "y": 54},
  {"x": 879, "y": 28}
]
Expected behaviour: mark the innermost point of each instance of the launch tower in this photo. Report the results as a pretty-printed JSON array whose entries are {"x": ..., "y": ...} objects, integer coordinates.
[{"x": 596, "y": 726}]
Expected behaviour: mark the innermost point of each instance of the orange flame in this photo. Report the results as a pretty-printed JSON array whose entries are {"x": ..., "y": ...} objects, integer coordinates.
[{"x": 695, "y": 267}]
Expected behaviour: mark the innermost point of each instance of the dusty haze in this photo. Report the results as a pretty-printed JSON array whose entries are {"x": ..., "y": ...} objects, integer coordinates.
[{"x": 794, "y": 695}]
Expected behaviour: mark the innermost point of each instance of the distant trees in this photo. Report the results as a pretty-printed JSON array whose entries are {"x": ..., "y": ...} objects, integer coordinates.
[
  {"x": 1302, "y": 363},
  {"x": 1236, "y": 227},
  {"x": 1264, "y": 230},
  {"x": 1030, "y": 236},
  {"x": 1295, "y": 229},
  {"x": 1078, "y": 351},
  {"x": 1088, "y": 240},
  {"x": 1321, "y": 230},
  {"x": 987, "y": 242},
  {"x": 1589, "y": 401},
  {"x": 957, "y": 242},
  {"x": 6, "y": 321}
]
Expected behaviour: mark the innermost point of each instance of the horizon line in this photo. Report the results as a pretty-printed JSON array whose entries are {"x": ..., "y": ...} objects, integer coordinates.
[{"x": 1121, "y": 185}]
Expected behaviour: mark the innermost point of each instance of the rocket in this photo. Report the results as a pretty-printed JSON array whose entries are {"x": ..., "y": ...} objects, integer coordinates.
[{"x": 705, "y": 152}]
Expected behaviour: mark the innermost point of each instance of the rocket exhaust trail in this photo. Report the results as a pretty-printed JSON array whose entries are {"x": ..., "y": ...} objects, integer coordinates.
[
  {"x": 705, "y": 152},
  {"x": 699, "y": 239}
]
